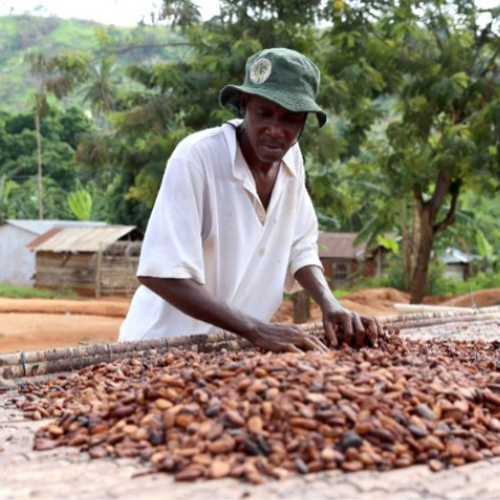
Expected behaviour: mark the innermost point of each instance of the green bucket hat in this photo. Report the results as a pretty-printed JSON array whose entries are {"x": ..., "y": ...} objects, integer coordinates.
[{"x": 283, "y": 76}]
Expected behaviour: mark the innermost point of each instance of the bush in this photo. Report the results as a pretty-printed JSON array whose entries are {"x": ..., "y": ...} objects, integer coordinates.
[
  {"x": 455, "y": 286},
  {"x": 24, "y": 292}
]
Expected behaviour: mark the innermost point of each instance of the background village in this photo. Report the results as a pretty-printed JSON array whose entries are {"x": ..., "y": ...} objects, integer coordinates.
[{"x": 404, "y": 179}]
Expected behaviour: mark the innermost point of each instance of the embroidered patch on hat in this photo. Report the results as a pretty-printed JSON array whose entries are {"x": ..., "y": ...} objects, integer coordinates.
[{"x": 260, "y": 70}]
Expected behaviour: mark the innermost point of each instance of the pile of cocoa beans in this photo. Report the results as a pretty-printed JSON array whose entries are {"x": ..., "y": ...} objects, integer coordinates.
[{"x": 255, "y": 416}]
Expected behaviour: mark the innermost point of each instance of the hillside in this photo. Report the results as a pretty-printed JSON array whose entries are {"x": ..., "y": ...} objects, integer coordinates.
[{"x": 20, "y": 35}]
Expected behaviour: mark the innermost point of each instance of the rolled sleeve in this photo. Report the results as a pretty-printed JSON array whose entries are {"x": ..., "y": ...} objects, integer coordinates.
[{"x": 172, "y": 246}]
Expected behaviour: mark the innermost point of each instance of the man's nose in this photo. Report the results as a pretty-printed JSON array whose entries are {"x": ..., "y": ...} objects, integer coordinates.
[{"x": 275, "y": 130}]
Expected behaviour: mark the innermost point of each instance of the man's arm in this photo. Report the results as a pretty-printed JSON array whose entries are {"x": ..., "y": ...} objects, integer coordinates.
[
  {"x": 354, "y": 327},
  {"x": 194, "y": 300}
]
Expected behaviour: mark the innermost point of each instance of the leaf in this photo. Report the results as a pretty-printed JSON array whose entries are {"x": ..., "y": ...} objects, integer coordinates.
[
  {"x": 388, "y": 243},
  {"x": 371, "y": 228},
  {"x": 80, "y": 204},
  {"x": 484, "y": 246},
  {"x": 460, "y": 79}
]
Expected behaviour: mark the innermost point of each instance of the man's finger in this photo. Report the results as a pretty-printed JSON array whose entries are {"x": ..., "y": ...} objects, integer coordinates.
[
  {"x": 380, "y": 328},
  {"x": 348, "y": 332},
  {"x": 319, "y": 345},
  {"x": 359, "y": 330},
  {"x": 310, "y": 345},
  {"x": 375, "y": 330},
  {"x": 331, "y": 334},
  {"x": 291, "y": 348}
]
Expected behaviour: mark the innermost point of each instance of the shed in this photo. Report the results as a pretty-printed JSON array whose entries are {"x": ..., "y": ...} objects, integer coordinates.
[
  {"x": 91, "y": 261},
  {"x": 457, "y": 264},
  {"x": 17, "y": 263},
  {"x": 343, "y": 261}
]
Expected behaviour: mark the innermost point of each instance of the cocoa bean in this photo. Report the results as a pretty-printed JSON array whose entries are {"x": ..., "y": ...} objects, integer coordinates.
[
  {"x": 352, "y": 466},
  {"x": 455, "y": 448},
  {"x": 255, "y": 424},
  {"x": 436, "y": 465},
  {"x": 223, "y": 445},
  {"x": 218, "y": 469},
  {"x": 189, "y": 474},
  {"x": 247, "y": 415}
]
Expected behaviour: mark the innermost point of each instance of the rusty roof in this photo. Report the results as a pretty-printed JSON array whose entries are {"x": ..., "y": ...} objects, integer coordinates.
[
  {"x": 79, "y": 239},
  {"x": 340, "y": 246}
]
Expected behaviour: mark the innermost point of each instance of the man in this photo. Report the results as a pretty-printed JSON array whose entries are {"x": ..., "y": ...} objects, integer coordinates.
[{"x": 233, "y": 225}]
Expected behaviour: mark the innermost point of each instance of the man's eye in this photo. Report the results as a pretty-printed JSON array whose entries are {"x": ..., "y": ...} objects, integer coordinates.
[{"x": 263, "y": 112}]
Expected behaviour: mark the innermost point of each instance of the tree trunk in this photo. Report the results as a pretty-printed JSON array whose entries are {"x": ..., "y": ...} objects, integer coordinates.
[
  {"x": 407, "y": 256},
  {"x": 418, "y": 285},
  {"x": 428, "y": 227},
  {"x": 39, "y": 160},
  {"x": 301, "y": 307}
]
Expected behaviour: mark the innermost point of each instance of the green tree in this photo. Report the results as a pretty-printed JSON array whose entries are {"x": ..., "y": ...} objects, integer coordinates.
[
  {"x": 60, "y": 132},
  {"x": 440, "y": 63},
  {"x": 413, "y": 90},
  {"x": 58, "y": 75}
]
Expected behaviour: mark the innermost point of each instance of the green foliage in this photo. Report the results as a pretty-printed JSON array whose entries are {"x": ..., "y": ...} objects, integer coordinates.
[
  {"x": 454, "y": 286},
  {"x": 412, "y": 89},
  {"x": 72, "y": 39},
  {"x": 21, "y": 292},
  {"x": 60, "y": 132},
  {"x": 80, "y": 204},
  {"x": 388, "y": 243},
  {"x": 63, "y": 174}
]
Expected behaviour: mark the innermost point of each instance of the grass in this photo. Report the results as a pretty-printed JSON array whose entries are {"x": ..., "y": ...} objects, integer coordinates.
[{"x": 24, "y": 292}]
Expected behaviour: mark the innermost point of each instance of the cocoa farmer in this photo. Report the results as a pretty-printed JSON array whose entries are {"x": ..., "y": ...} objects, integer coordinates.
[{"x": 233, "y": 225}]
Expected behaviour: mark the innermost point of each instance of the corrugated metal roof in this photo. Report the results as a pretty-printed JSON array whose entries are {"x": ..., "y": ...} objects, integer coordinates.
[
  {"x": 42, "y": 226},
  {"x": 456, "y": 256},
  {"x": 79, "y": 239},
  {"x": 340, "y": 246}
]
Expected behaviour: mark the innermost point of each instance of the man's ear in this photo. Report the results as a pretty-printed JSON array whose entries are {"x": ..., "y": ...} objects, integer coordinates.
[{"x": 242, "y": 103}]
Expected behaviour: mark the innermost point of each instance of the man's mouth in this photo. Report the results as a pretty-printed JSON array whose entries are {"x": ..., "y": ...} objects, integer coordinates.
[{"x": 272, "y": 147}]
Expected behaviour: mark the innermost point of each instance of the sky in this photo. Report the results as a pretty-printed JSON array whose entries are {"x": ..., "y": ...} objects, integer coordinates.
[{"x": 117, "y": 12}]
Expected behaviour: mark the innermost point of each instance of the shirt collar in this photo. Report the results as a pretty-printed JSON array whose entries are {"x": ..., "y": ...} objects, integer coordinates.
[{"x": 230, "y": 135}]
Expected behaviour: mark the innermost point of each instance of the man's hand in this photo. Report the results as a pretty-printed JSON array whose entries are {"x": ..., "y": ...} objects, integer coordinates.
[
  {"x": 193, "y": 299},
  {"x": 347, "y": 327},
  {"x": 284, "y": 338},
  {"x": 341, "y": 325}
]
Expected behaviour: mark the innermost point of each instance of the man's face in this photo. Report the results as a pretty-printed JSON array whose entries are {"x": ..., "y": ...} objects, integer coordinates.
[{"x": 270, "y": 129}]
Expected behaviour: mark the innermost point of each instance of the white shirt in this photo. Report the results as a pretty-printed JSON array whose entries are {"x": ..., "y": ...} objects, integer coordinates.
[{"x": 208, "y": 224}]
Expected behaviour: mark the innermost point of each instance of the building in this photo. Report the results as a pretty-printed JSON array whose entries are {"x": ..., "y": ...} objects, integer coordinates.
[
  {"x": 92, "y": 261},
  {"x": 344, "y": 261},
  {"x": 457, "y": 264},
  {"x": 17, "y": 263}
]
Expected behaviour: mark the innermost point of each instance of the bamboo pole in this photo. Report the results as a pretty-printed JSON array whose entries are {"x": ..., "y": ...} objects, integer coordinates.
[{"x": 32, "y": 363}]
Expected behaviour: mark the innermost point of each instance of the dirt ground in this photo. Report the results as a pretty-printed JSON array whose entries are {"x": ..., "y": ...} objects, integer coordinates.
[{"x": 31, "y": 324}]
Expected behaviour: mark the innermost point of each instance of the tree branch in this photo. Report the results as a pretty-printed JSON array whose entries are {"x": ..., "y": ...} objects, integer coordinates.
[
  {"x": 440, "y": 191},
  {"x": 450, "y": 216},
  {"x": 417, "y": 194},
  {"x": 491, "y": 62},
  {"x": 438, "y": 40}
]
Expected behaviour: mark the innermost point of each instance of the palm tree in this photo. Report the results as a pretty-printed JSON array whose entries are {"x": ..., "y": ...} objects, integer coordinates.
[
  {"x": 100, "y": 90},
  {"x": 57, "y": 75}
]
